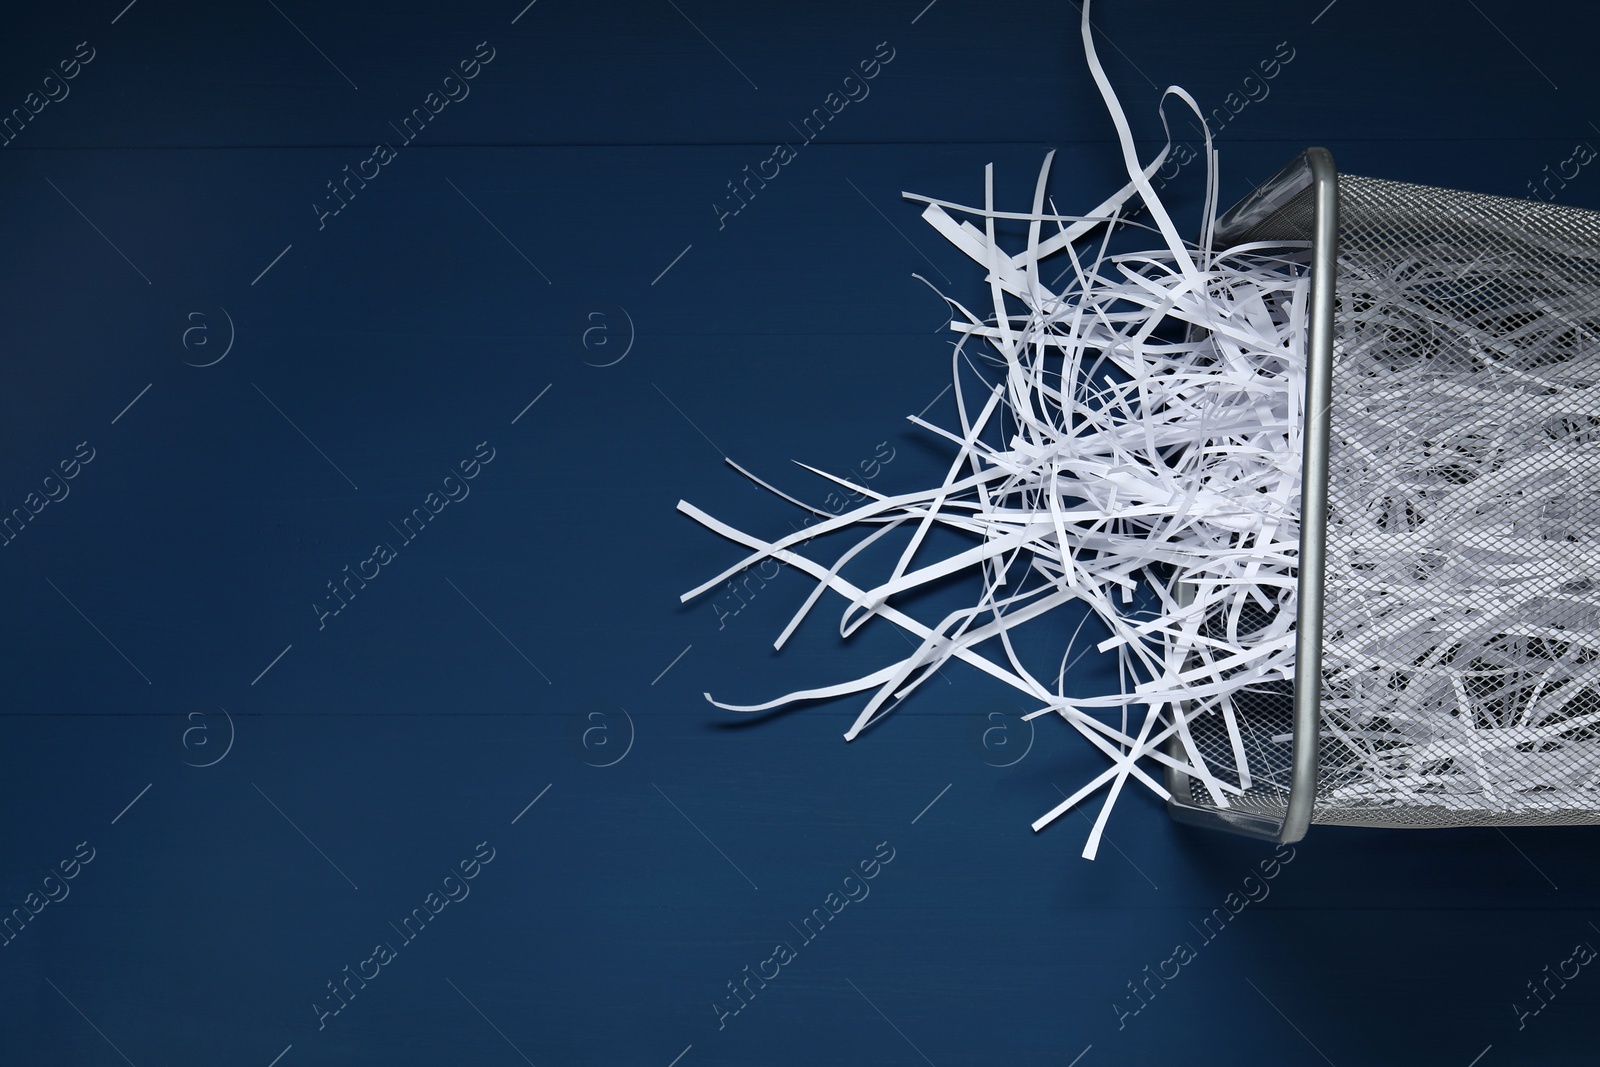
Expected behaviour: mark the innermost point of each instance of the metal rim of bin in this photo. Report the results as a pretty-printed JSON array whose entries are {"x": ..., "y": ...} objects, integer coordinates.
[{"x": 1313, "y": 167}]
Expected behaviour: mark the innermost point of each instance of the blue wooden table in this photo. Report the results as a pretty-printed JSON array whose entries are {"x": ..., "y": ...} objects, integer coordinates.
[{"x": 355, "y": 359}]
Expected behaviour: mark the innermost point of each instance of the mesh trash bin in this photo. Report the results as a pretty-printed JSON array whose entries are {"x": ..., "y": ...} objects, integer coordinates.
[{"x": 1447, "y": 618}]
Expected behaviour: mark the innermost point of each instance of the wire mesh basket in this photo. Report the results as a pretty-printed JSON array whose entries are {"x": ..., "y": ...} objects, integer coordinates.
[{"x": 1448, "y": 605}]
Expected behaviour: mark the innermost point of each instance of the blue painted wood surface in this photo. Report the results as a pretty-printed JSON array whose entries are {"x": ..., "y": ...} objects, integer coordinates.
[{"x": 237, "y": 785}]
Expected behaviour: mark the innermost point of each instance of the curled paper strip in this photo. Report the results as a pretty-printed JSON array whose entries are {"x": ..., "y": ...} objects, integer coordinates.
[{"x": 1145, "y": 426}]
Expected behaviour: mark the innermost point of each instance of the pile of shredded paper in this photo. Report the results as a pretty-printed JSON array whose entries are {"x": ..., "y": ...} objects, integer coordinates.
[
  {"x": 1461, "y": 640},
  {"x": 1139, "y": 453},
  {"x": 1150, "y": 424}
]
